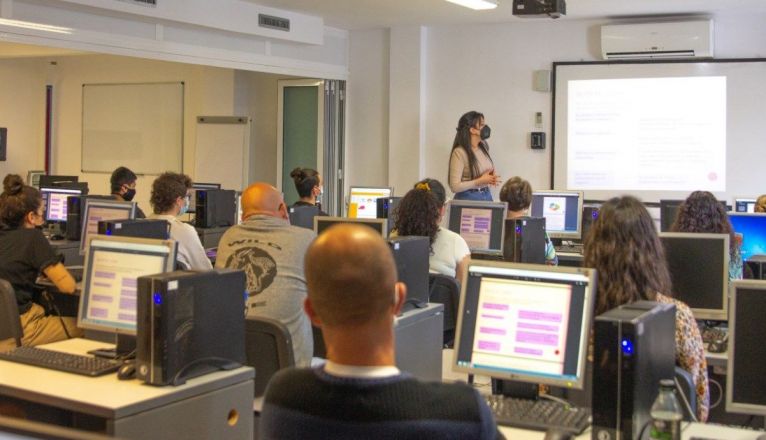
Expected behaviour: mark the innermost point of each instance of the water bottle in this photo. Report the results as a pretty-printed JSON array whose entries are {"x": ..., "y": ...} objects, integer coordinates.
[{"x": 666, "y": 413}]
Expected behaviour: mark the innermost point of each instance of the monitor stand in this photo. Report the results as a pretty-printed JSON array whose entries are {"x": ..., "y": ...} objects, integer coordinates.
[
  {"x": 515, "y": 389},
  {"x": 125, "y": 348}
]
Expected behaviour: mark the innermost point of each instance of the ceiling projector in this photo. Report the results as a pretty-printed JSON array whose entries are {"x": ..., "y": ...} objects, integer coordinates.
[{"x": 539, "y": 8}]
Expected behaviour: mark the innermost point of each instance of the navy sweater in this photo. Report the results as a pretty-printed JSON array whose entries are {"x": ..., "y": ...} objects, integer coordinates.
[{"x": 311, "y": 404}]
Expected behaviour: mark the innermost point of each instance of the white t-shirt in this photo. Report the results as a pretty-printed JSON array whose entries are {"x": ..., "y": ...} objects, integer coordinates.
[
  {"x": 449, "y": 249},
  {"x": 190, "y": 251}
]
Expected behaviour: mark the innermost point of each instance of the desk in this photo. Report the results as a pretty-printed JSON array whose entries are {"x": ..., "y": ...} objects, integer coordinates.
[
  {"x": 689, "y": 430},
  {"x": 217, "y": 405},
  {"x": 70, "y": 250}
]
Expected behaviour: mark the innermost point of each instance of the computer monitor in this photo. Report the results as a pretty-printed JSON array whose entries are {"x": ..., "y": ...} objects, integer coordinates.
[
  {"x": 56, "y": 202},
  {"x": 380, "y": 225},
  {"x": 525, "y": 322},
  {"x": 562, "y": 211},
  {"x": 363, "y": 200},
  {"x": 194, "y": 188},
  {"x": 752, "y": 228},
  {"x": 745, "y": 380},
  {"x": 481, "y": 224},
  {"x": 744, "y": 205},
  {"x": 96, "y": 210},
  {"x": 109, "y": 284},
  {"x": 52, "y": 180},
  {"x": 33, "y": 178},
  {"x": 699, "y": 271}
]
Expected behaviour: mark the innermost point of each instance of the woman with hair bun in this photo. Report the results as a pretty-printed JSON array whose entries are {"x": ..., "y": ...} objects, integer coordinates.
[
  {"x": 308, "y": 183},
  {"x": 24, "y": 254}
]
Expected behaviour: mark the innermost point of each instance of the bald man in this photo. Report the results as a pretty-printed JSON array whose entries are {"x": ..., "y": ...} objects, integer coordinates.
[
  {"x": 359, "y": 393},
  {"x": 271, "y": 251}
]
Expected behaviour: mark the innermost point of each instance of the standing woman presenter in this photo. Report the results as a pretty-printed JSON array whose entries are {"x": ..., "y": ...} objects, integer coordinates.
[{"x": 471, "y": 170}]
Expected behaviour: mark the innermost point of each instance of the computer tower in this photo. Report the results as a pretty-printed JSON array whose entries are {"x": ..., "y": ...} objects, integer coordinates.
[
  {"x": 188, "y": 324},
  {"x": 524, "y": 240},
  {"x": 74, "y": 206},
  {"x": 589, "y": 215},
  {"x": 215, "y": 207},
  {"x": 303, "y": 216},
  {"x": 144, "y": 228},
  {"x": 386, "y": 208},
  {"x": 411, "y": 258},
  {"x": 634, "y": 348}
]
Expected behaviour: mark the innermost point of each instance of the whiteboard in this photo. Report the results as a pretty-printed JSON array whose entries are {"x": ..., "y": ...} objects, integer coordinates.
[
  {"x": 222, "y": 151},
  {"x": 139, "y": 126},
  {"x": 744, "y": 106}
]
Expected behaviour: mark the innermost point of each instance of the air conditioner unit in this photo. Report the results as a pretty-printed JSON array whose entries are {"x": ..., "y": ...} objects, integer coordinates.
[{"x": 686, "y": 39}]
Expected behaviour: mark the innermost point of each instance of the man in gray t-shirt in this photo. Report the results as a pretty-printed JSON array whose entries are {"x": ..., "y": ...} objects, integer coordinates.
[{"x": 271, "y": 252}]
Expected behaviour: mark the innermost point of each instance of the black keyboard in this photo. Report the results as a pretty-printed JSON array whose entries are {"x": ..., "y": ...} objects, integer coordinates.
[
  {"x": 56, "y": 360},
  {"x": 539, "y": 415}
]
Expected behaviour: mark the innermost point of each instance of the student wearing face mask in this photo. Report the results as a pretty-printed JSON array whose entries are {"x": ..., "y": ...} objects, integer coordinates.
[
  {"x": 308, "y": 183},
  {"x": 24, "y": 254},
  {"x": 123, "y": 182},
  {"x": 170, "y": 198},
  {"x": 471, "y": 170}
]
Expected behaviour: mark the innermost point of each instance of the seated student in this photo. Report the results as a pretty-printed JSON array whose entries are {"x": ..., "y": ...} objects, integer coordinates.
[
  {"x": 419, "y": 213},
  {"x": 170, "y": 198},
  {"x": 760, "y": 204},
  {"x": 702, "y": 212},
  {"x": 24, "y": 253},
  {"x": 308, "y": 183},
  {"x": 359, "y": 393},
  {"x": 123, "y": 183},
  {"x": 517, "y": 193},
  {"x": 626, "y": 252}
]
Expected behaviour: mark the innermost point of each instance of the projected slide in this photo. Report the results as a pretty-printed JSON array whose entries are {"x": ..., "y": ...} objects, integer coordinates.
[{"x": 647, "y": 134}]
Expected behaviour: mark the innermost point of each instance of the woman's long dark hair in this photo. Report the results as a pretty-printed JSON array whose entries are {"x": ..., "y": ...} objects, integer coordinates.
[
  {"x": 463, "y": 140},
  {"x": 418, "y": 212},
  {"x": 626, "y": 252},
  {"x": 702, "y": 212}
]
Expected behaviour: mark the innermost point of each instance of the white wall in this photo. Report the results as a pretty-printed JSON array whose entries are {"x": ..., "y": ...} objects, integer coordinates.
[
  {"x": 22, "y": 86},
  {"x": 487, "y": 68}
]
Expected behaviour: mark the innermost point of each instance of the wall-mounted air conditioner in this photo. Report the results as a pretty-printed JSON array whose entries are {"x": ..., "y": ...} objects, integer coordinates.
[{"x": 681, "y": 39}]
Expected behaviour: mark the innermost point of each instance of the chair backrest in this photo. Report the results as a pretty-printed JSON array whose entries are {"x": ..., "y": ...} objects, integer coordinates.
[
  {"x": 268, "y": 348},
  {"x": 10, "y": 322},
  {"x": 687, "y": 390},
  {"x": 443, "y": 289}
]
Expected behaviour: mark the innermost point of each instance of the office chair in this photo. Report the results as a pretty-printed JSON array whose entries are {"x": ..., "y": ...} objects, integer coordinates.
[
  {"x": 268, "y": 348},
  {"x": 686, "y": 390},
  {"x": 10, "y": 323},
  {"x": 443, "y": 289}
]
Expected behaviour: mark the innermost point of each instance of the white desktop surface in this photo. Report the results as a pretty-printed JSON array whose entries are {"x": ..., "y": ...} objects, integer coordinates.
[
  {"x": 689, "y": 430},
  {"x": 103, "y": 396}
]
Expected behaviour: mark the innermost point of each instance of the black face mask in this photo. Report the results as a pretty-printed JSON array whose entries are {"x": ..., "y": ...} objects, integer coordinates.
[
  {"x": 129, "y": 194},
  {"x": 485, "y": 132}
]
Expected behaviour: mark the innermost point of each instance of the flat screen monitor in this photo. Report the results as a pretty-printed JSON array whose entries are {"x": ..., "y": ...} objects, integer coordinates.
[
  {"x": 112, "y": 266},
  {"x": 96, "y": 210},
  {"x": 481, "y": 224},
  {"x": 562, "y": 211},
  {"x": 752, "y": 228},
  {"x": 380, "y": 225},
  {"x": 193, "y": 193},
  {"x": 56, "y": 202},
  {"x": 363, "y": 200},
  {"x": 745, "y": 381},
  {"x": 744, "y": 205},
  {"x": 699, "y": 271},
  {"x": 52, "y": 180},
  {"x": 525, "y": 322}
]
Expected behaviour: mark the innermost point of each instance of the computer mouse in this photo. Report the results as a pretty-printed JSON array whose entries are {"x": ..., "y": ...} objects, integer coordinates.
[
  {"x": 127, "y": 371},
  {"x": 555, "y": 434}
]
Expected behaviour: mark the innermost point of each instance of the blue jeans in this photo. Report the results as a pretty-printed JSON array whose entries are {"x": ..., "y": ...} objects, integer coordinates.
[{"x": 474, "y": 195}]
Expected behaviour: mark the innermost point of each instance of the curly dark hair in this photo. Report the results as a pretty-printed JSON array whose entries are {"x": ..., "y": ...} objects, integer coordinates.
[
  {"x": 17, "y": 200},
  {"x": 517, "y": 193},
  {"x": 626, "y": 252},
  {"x": 166, "y": 189},
  {"x": 418, "y": 214},
  {"x": 305, "y": 180},
  {"x": 435, "y": 188},
  {"x": 702, "y": 212}
]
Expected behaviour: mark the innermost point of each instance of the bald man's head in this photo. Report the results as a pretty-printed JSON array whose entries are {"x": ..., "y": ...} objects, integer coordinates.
[
  {"x": 351, "y": 276},
  {"x": 262, "y": 198}
]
